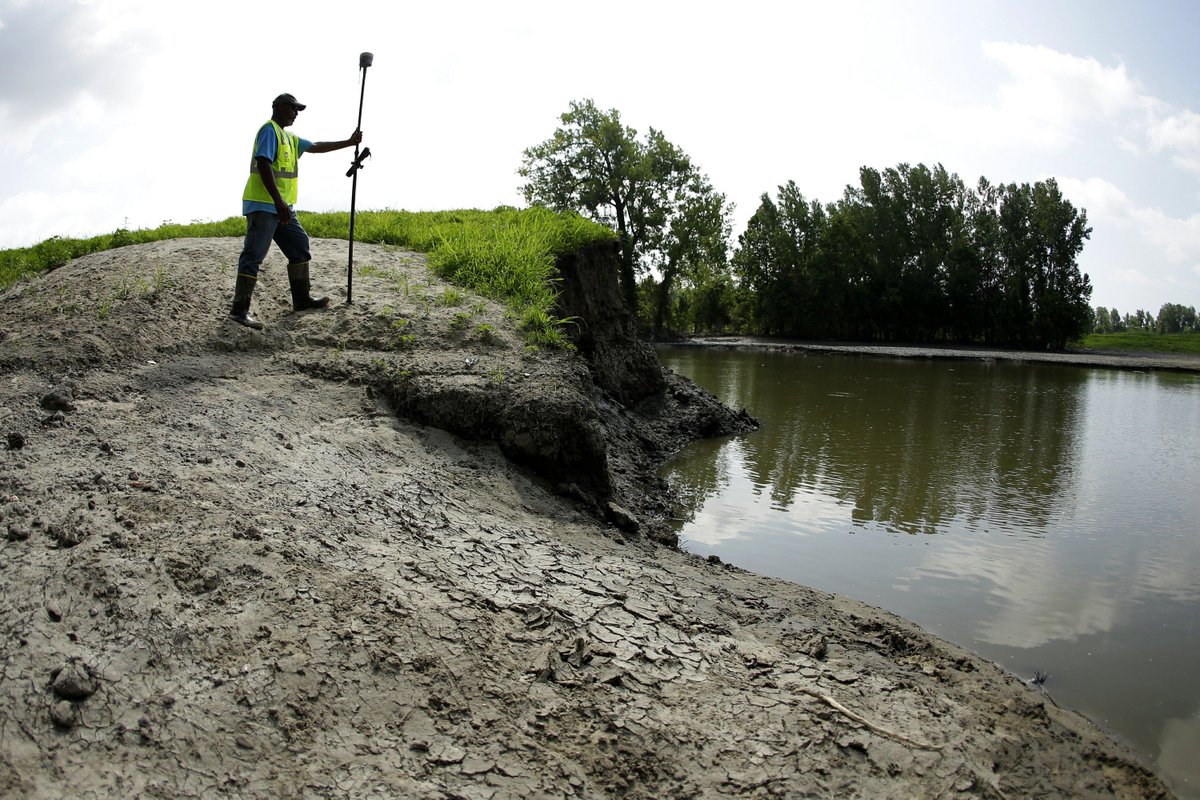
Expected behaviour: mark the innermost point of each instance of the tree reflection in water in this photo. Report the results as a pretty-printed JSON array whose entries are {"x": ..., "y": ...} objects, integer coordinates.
[{"x": 1062, "y": 503}]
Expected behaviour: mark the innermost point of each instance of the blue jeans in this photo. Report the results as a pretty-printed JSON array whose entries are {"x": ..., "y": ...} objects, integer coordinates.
[{"x": 262, "y": 227}]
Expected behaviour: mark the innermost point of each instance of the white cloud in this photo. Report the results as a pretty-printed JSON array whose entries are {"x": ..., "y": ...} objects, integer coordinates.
[
  {"x": 1048, "y": 96},
  {"x": 37, "y": 215},
  {"x": 1098, "y": 196},
  {"x": 1053, "y": 99},
  {"x": 1059, "y": 84},
  {"x": 1177, "y": 238},
  {"x": 1132, "y": 277},
  {"x": 1147, "y": 253},
  {"x": 1179, "y": 134},
  {"x": 55, "y": 55}
]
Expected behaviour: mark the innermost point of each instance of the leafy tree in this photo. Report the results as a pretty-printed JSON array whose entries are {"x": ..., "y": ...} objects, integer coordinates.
[
  {"x": 917, "y": 240},
  {"x": 1175, "y": 318},
  {"x": 712, "y": 303},
  {"x": 878, "y": 207},
  {"x": 1140, "y": 320},
  {"x": 647, "y": 297},
  {"x": 975, "y": 286},
  {"x": 1017, "y": 252},
  {"x": 1063, "y": 312},
  {"x": 760, "y": 261},
  {"x": 1045, "y": 298},
  {"x": 641, "y": 187},
  {"x": 695, "y": 244},
  {"x": 780, "y": 261},
  {"x": 911, "y": 254}
]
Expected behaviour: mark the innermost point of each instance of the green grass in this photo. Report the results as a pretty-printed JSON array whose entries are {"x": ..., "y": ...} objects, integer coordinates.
[
  {"x": 1145, "y": 341},
  {"x": 507, "y": 254},
  {"x": 21, "y": 262}
]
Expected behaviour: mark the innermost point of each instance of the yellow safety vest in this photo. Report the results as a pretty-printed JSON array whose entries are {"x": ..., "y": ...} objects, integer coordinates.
[{"x": 287, "y": 156}]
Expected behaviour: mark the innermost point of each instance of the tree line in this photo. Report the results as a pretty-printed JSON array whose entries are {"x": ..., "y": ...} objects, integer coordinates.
[
  {"x": 1172, "y": 318},
  {"x": 910, "y": 254}
]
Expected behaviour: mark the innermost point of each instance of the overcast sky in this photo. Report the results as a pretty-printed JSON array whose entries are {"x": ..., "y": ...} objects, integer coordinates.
[{"x": 134, "y": 112}]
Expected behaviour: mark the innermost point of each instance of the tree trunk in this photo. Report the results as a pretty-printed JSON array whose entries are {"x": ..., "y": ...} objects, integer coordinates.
[
  {"x": 664, "y": 298},
  {"x": 628, "y": 274}
]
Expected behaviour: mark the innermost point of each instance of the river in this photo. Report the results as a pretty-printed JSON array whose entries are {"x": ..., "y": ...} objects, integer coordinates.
[{"x": 1044, "y": 516}]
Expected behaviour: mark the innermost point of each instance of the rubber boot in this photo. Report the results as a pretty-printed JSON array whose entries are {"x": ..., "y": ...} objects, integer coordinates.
[
  {"x": 243, "y": 290},
  {"x": 301, "y": 299}
]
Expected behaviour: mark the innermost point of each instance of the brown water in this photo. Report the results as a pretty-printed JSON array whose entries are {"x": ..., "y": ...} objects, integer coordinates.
[{"x": 1046, "y": 517}]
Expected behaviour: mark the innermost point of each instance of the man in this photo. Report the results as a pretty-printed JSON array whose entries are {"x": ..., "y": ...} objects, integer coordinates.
[{"x": 268, "y": 204}]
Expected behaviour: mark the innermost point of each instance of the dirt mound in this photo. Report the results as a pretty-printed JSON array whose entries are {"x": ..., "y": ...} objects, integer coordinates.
[
  {"x": 232, "y": 568},
  {"x": 438, "y": 355}
]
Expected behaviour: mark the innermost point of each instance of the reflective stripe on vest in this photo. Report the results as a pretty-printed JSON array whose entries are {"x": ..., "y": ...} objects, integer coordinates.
[{"x": 284, "y": 167}]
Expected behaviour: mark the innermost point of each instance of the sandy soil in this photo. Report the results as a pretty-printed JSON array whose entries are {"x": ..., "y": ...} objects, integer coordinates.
[{"x": 231, "y": 569}]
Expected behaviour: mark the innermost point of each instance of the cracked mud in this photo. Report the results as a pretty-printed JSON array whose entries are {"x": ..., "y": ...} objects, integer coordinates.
[{"x": 231, "y": 568}]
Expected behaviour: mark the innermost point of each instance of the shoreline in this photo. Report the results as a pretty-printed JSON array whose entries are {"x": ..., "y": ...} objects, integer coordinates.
[{"x": 1084, "y": 358}]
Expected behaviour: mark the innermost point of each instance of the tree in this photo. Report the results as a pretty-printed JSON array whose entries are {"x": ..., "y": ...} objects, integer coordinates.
[
  {"x": 779, "y": 260},
  {"x": 1140, "y": 320},
  {"x": 1045, "y": 298},
  {"x": 976, "y": 284},
  {"x": 760, "y": 262},
  {"x": 695, "y": 243},
  {"x": 1175, "y": 318},
  {"x": 599, "y": 167},
  {"x": 711, "y": 303},
  {"x": 1061, "y": 293},
  {"x": 911, "y": 254}
]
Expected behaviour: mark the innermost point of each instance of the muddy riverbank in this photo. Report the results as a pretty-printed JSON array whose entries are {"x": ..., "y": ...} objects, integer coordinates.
[{"x": 261, "y": 565}]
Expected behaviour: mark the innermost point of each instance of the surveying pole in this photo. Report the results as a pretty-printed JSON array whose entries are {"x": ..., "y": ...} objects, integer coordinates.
[{"x": 364, "y": 60}]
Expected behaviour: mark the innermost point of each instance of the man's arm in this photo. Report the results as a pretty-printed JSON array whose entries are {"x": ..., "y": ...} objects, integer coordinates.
[
  {"x": 329, "y": 147},
  {"x": 268, "y": 178}
]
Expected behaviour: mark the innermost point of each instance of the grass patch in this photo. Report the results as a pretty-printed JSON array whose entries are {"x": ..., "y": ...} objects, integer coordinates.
[
  {"x": 22, "y": 262},
  {"x": 451, "y": 297},
  {"x": 398, "y": 339},
  {"x": 1145, "y": 341},
  {"x": 507, "y": 254},
  {"x": 486, "y": 333}
]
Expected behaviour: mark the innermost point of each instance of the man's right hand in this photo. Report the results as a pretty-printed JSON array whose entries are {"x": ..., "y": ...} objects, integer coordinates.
[{"x": 285, "y": 213}]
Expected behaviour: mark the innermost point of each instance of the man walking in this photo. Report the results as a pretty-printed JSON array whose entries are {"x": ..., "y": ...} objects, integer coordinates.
[{"x": 268, "y": 204}]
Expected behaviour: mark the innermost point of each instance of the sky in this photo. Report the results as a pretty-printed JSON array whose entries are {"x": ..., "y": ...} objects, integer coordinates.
[{"x": 130, "y": 113}]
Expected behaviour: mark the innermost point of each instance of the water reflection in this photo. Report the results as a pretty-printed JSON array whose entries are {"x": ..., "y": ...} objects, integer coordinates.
[
  {"x": 1063, "y": 502},
  {"x": 1180, "y": 744},
  {"x": 908, "y": 444},
  {"x": 1027, "y": 598}
]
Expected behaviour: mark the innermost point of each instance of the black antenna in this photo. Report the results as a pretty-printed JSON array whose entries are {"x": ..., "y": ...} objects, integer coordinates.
[{"x": 364, "y": 60}]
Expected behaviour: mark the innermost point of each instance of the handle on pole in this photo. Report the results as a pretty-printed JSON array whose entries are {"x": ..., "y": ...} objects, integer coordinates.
[{"x": 364, "y": 60}]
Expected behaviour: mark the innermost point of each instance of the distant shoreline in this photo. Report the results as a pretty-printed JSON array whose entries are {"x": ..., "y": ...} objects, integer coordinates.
[{"x": 1128, "y": 360}]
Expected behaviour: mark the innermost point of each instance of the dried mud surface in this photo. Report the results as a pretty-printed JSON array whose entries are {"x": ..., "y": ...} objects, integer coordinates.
[{"x": 231, "y": 568}]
